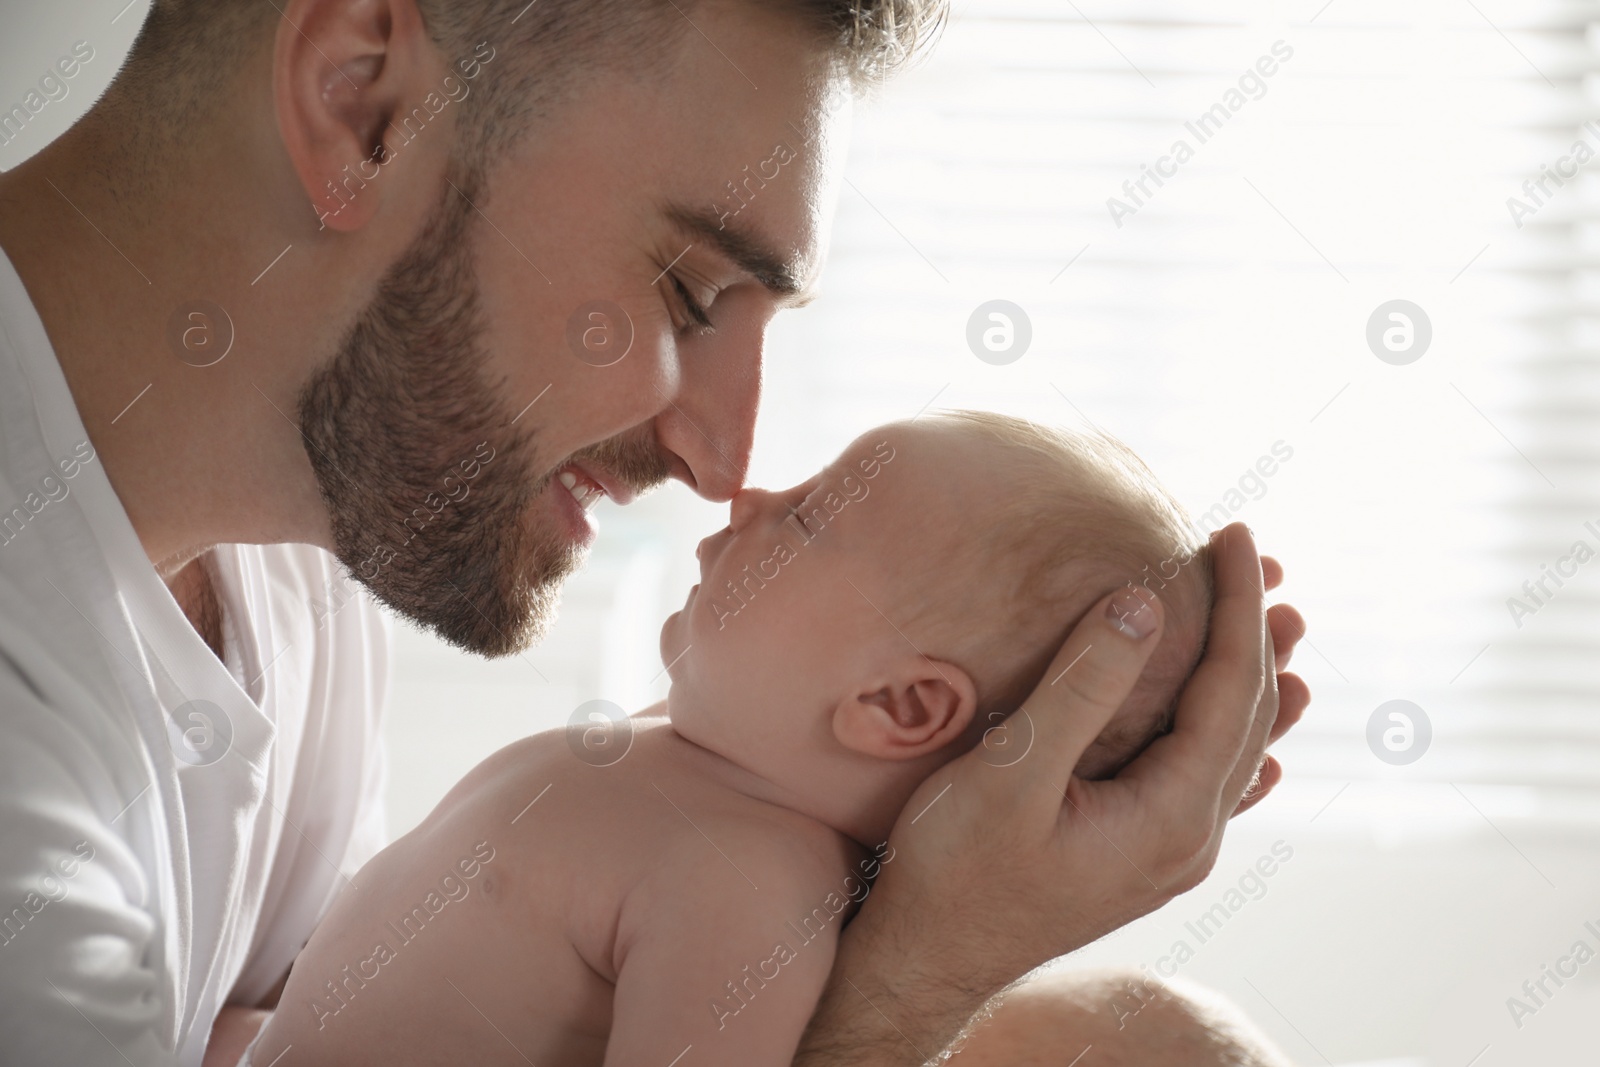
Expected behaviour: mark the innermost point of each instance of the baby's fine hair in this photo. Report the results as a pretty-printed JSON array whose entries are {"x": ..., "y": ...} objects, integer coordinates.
[{"x": 1075, "y": 515}]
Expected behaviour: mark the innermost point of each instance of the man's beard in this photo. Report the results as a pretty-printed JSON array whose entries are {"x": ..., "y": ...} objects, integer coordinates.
[{"x": 402, "y": 418}]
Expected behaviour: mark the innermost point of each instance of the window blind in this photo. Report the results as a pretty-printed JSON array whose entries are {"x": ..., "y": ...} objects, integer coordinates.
[{"x": 1223, "y": 310}]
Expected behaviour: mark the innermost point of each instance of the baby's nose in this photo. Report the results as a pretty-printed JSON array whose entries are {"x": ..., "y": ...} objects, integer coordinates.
[{"x": 745, "y": 505}]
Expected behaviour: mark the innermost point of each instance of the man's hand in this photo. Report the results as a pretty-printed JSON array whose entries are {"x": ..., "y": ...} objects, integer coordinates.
[{"x": 1002, "y": 862}]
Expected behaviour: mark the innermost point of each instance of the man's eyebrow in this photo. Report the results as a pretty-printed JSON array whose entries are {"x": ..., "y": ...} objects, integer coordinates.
[{"x": 744, "y": 249}]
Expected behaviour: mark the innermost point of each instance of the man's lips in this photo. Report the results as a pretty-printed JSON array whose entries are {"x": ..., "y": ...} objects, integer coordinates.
[
  {"x": 577, "y": 487},
  {"x": 615, "y": 488},
  {"x": 574, "y": 496},
  {"x": 585, "y": 491}
]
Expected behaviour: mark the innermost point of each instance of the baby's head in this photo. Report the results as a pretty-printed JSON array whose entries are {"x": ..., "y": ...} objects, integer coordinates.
[{"x": 851, "y": 634}]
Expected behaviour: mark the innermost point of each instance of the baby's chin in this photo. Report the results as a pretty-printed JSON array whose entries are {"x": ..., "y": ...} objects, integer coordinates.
[
  {"x": 677, "y": 709},
  {"x": 670, "y": 645},
  {"x": 661, "y": 642},
  {"x": 677, "y": 691}
]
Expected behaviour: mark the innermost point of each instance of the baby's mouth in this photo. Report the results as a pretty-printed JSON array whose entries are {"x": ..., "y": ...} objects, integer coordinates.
[{"x": 584, "y": 490}]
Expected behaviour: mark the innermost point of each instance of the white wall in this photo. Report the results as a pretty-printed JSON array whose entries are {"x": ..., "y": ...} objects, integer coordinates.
[{"x": 34, "y": 35}]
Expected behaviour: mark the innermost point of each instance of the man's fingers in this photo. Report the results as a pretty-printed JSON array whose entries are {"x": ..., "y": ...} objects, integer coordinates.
[
  {"x": 1271, "y": 774},
  {"x": 1294, "y": 696},
  {"x": 1255, "y": 746},
  {"x": 1087, "y": 682},
  {"x": 1271, "y": 572},
  {"x": 1288, "y": 626},
  {"x": 1221, "y": 701}
]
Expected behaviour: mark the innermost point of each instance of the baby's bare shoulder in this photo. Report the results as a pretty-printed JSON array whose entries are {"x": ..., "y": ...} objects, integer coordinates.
[
  {"x": 566, "y": 767},
  {"x": 731, "y": 850},
  {"x": 711, "y": 816},
  {"x": 642, "y": 813}
]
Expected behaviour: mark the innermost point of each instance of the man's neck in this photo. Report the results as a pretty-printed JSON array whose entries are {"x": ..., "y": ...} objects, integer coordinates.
[
  {"x": 194, "y": 588},
  {"x": 197, "y": 455}
]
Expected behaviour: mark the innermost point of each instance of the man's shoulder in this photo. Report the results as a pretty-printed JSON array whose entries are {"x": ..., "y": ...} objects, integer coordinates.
[{"x": 49, "y": 650}]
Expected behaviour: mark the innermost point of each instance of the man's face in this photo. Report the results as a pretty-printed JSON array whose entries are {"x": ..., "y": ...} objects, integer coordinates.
[{"x": 545, "y": 339}]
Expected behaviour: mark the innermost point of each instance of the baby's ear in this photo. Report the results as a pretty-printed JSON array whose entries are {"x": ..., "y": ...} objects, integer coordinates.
[{"x": 916, "y": 708}]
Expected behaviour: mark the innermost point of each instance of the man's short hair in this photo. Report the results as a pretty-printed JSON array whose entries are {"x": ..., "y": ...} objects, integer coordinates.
[{"x": 188, "y": 49}]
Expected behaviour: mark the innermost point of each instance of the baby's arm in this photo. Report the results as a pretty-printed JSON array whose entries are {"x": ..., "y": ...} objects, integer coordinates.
[{"x": 718, "y": 965}]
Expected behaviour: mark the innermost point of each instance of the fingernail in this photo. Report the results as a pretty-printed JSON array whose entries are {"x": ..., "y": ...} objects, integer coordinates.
[{"x": 1130, "y": 610}]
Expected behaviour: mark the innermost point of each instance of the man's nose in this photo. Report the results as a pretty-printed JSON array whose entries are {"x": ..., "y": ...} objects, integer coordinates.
[{"x": 710, "y": 423}]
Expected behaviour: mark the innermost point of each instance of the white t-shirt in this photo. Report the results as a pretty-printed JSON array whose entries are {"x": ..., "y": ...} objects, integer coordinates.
[{"x": 171, "y": 826}]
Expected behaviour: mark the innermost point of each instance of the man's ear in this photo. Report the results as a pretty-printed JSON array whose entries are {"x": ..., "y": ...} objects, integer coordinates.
[
  {"x": 339, "y": 71},
  {"x": 918, "y": 707}
]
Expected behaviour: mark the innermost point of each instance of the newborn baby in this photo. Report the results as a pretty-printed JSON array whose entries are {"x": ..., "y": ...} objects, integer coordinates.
[{"x": 670, "y": 890}]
